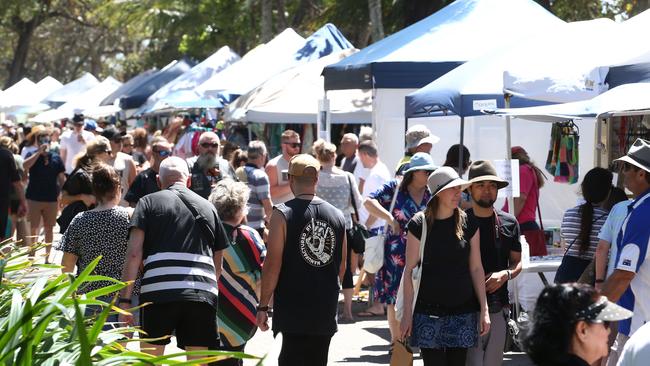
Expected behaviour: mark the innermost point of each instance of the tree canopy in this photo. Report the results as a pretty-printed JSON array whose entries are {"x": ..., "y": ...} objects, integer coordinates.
[{"x": 121, "y": 38}]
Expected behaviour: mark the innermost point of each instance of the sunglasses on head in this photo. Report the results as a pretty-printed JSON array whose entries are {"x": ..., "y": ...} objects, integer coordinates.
[
  {"x": 208, "y": 145},
  {"x": 295, "y": 145}
]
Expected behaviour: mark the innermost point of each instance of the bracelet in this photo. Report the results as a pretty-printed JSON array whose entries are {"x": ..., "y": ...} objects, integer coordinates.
[
  {"x": 509, "y": 274},
  {"x": 124, "y": 299},
  {"x": 600, "y": 281},
  {"x": 263, "y": 308}
]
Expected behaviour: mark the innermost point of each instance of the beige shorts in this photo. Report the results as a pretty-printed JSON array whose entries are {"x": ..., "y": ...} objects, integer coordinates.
[{"x": 38, "y": 209}]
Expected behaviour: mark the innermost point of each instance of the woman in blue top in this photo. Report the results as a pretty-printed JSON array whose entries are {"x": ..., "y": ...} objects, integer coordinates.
[{"x": 412, "y": 197}]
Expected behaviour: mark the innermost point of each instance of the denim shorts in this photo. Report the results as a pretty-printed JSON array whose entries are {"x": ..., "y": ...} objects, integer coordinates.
[{"x": 457, "y": 331}]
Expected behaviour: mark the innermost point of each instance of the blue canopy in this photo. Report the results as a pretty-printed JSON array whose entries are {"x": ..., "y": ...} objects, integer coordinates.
[
  {"x": 128, "y": 86},
  {"x": 627, "y": 74},
  {"x": 137, "y": 93},
  {"x": 428, "y": 49}
]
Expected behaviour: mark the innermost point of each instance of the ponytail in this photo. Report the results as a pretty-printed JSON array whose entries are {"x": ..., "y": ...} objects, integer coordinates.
[{"x": 586, "y": 223}]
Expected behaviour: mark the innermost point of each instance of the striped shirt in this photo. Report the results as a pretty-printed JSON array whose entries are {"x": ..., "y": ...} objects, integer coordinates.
[
  {"x": 570, "y": 231},
  {"x": 242, "y": 268},
  {"x": 258, "y": 183}
]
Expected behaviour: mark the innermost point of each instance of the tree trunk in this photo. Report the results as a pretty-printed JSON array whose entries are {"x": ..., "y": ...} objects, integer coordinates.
[
  {"x": 282, "y": 16},
  {"x": 415, "y": 10},
  {"x": 267, "y": 20},
  {"x": 17, "y": 68},
  {"x": 376, "y": 24}
]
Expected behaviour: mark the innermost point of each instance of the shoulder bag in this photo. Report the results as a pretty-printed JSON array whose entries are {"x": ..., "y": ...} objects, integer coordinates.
[
  {"x": 373, "y": 258},
  {"x": 536, "y": 239},
  {"x": 204, "y": 225},
  {"x": 415, "y": 278},
  {"x": 358, "y": 234}
]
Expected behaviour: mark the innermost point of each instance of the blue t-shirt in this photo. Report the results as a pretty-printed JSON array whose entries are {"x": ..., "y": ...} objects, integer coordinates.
[
  {"x": 632, "y": 242},
  {"x": 43, "y": 185}
]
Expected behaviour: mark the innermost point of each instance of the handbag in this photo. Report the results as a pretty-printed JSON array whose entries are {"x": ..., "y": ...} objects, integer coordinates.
[
  {"x": 402, "y": 354},
  {"x": 415, "y": 277},
  {"x": 536, "y": 239},
  {"x": 373, "y": 257},
  {"x": 574, "y": 269},
  {"x": 358, "y": 234}
]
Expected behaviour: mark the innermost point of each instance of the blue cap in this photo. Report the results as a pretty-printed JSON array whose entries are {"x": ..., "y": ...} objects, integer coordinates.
[
  {"x": 90, "y": 125},
  {"x": 421, "y": 161}
]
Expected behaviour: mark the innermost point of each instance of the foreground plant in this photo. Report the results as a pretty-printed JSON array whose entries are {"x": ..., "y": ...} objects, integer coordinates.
[{"x": 43, "y": 319}]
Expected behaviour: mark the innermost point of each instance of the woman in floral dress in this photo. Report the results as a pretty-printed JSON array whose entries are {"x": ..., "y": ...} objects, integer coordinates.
[{"x": 412, "y": 197}]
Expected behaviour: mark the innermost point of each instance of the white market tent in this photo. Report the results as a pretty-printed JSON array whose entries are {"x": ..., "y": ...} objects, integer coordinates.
[
  {"x": 413, "y": 57},
  {"x": 579, "y": 72},
  {"x": 71, "y": 90},
  {"x": 256, "y": 66},
  {"x": 89, "y": 99},
  {"x": 293, "y": 95},
  {"x": 18, "y": 95},
  {"x": 29, "y": 101},
  {"x": 478, "y": 84},
  {"x": 208, "y": 68}
]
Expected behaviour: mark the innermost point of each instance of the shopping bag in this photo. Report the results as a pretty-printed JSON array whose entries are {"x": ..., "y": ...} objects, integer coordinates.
[{"x": 402, "y": 354}]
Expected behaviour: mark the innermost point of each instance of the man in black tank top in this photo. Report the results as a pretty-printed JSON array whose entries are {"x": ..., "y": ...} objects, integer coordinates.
[{"x": 303, "y": 269}]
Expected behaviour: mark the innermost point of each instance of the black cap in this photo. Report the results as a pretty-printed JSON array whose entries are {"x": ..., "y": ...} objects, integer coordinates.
[
  {"x": 78, "y": 119},
  {"x": 112, "y": 134}
]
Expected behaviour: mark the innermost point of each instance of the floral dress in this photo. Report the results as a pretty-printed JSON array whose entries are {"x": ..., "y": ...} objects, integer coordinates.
[{"x": 388, "y": 277}]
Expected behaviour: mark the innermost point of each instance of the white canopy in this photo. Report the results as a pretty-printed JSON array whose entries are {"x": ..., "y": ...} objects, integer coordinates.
[
  {"x": 72, "y": 89},
  {"x": 620, "y": 100},
  {"x": 208, "y": 68},
  {"x": 18, "y": 95},
  {"x": 90, "y": 98},
  {"x": 568, "y": 70},
  {"x": 256, "y": 66},
  {"x": 292, "y": 97}
]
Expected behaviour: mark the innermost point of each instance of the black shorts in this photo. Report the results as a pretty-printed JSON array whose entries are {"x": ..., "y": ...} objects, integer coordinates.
[{"x": 193, "y": 323}]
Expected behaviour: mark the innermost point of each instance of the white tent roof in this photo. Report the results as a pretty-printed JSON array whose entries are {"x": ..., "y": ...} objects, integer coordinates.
[
  {"x": 47, "y": 86},
  {"x": 619, "y": 100},
  {"x": 19, "y": 94},
  {"x": 292, "y": 97},
  {"x": 91, "y": 98},
  {"x": 72, "y": 89},
  {"x": 209, "y": 67},
  {"x": 567, "y": 71},
  {"x": 256, "y": 66}
]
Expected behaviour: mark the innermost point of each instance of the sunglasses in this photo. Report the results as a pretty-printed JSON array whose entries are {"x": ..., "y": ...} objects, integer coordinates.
[
  {"x": 163, "y": 153},
  {"x": 109, "y": 152},
  {"x": 207, "y": 145},
  {"x": 294, "y": 145},
  {"x": 127, "y": 145}
]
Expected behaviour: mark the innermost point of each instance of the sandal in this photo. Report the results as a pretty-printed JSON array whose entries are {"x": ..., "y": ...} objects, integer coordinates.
[{"x": 369, "y": 314}]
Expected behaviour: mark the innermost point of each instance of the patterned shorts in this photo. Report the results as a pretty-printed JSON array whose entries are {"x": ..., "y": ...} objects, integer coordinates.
[{"x": 458, "y": 331}]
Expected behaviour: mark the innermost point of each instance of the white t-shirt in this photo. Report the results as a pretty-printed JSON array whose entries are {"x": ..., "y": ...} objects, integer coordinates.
[
  {"x": 377, "y": 177},
  {"x": 359, "y": 171},
  {"x": 637, "y": 349},
  {"x": 71, "y": 143},
  {"x": 28, "y": 150}
]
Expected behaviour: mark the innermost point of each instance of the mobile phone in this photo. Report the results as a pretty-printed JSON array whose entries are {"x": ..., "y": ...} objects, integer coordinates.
[{"x": 285, "y": 175}]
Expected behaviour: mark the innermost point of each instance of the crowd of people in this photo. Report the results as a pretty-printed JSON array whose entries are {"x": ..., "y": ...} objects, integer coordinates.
[{"x": 220, "y": 238}]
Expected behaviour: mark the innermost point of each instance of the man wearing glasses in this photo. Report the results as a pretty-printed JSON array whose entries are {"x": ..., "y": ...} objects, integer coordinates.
[
  {"x": 277, "y": 167},
  {"x": 208, "y": 168},
  {"x": 145, "y": 182},
  {"x": 629, "y": 284}
]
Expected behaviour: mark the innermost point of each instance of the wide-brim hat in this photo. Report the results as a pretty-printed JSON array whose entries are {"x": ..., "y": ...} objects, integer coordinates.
[
  {"x": 431, "y": 139},
  {"x": 421, "y": 161},
  {"x": 603, "y": 310},
  {"x": 483, "y": 170},
  {"x": 638, "y": 155},
  {"x": 443, "y": 178}
]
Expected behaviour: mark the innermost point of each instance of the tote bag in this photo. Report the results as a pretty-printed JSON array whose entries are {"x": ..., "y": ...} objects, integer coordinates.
[
  {"x": 415, "y": 277},
  {"x": 373, "y": 257}
]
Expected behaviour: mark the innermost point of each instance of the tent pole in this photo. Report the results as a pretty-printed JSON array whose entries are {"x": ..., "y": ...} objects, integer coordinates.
[
  {"x": 250, "y": 133},
  {"x": 460, "y": 151},
  {"x": 511, "y": 201}
]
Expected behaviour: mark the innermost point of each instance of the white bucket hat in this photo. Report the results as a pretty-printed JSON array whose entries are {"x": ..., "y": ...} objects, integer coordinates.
[{"x": 443, "y": 178}]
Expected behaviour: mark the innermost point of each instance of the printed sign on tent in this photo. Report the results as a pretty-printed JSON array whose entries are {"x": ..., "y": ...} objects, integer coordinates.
[{"x": 509, "y": 172}]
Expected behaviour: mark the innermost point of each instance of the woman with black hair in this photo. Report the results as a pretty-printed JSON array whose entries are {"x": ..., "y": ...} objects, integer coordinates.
[
  {"x": 581, "y": 224},
  {"x": 570, "y": 326}
]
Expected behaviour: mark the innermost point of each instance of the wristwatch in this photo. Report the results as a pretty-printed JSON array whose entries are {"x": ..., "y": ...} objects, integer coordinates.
[{"x": 263, "y": 308}]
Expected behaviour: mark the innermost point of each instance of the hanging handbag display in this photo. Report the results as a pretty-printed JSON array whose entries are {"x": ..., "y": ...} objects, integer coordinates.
[
  {"x": 358, "y": 234},
  {"x": 416, "y": 276},
  {"x": 373, "y": 257}
]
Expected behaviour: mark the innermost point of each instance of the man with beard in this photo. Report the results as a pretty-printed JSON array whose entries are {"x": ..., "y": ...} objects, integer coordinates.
[
  {"x": 208, "y": 168},
  {"x": 500, "y": 255}
]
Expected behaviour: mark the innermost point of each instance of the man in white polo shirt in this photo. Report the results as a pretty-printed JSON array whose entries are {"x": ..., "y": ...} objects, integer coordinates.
[
  {"x": 630, "y": 282},
  {"x": 74, "y": 141}
]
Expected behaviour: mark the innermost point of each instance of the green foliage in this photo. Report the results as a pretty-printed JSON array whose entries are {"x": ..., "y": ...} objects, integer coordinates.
[{"x": 43, "y": 321}]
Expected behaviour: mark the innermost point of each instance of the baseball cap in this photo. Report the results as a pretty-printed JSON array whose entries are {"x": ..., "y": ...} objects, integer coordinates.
[
  {"x": 112, "y": 134},
  {"x": 304, "y": 165}
]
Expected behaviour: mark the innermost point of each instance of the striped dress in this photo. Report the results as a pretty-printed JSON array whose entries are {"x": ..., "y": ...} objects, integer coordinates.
[{"x": 242, "y": 269}]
